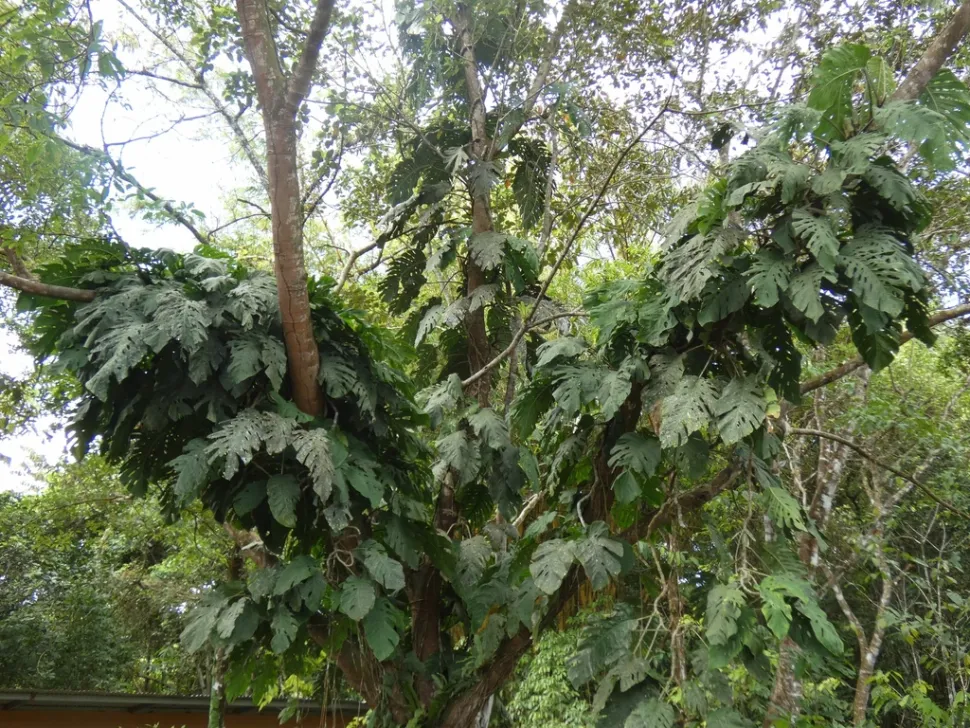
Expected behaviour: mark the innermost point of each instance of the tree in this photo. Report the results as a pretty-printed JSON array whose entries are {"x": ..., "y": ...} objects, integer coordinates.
[{"x": 396, "y": 537}]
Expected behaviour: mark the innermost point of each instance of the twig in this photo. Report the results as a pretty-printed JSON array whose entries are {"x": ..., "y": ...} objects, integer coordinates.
[
  {"x": 884, "y": 465},
  {"x": 565, "y": 252}
]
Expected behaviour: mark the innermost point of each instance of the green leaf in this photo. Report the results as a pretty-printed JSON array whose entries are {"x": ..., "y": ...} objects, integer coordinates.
[
  {"x": 768, "y": 274},
  {"x": 296, "y": 572},
  {"x": 473, "y": 555},
  {"x": 459, "y": 454},
  {"x": 380, "y": 629},
  {"x": 488, "y": 249},
  {"x": 880, "y": 270},
  {"x": 383, "y": 569},
  {"x": 728, "y": 297},
  {"x": 284, "y": 627},
  {"x": 783, "y": 509},
  {"x": 550, "y": 564},
  {"x": 599, "y": 554},
  {"x": 565, "y": 347},
  {"x": 365, "y": 482},
  {"x": 357, "y": 597},
  {"x": 804, "y": 291},
  {"x": 338, "y": 376},
  {"x": 727, "y": 718},
  {"x": 832, "y": 87},
  {"x": 192, "y": 467},
  {"x": 819, "y": 236},
  {"x": 880, "y": 83},
  {"x": 651, "y": 713},
  {"x": 891, "y": 186},
  {"x": 637, "y": 452},
  {"x": 724, "y": 604},
  {"x": 626, "y": 487},
  {"x": 249, "y": 497},
  {"x": 741, "y": 409},
  {"x": 313, "y": 452},
  {"x": 238, "y": 622},
  {"x": 686, "y": 410},
  {"x": 283, "y": 492},
  {"x": 490, "y": 427}
]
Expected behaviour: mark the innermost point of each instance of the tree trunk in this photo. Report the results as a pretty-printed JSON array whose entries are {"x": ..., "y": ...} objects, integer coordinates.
[
  {"x": 786, "y": 693},
  {"x": 479, "y": 353},
  {"x": 939, "y": 50},
  {"x": 279, "y": 101},
  {"x": 303, "y": 356},
  {"x": 217, "y": 691}
]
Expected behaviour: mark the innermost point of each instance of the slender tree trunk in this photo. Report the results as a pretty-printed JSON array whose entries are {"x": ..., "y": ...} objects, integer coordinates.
[
  {"x": 479, "y": 352},
  {"x": 935, "y": 55},
  {"x": 217, "y": 690}
]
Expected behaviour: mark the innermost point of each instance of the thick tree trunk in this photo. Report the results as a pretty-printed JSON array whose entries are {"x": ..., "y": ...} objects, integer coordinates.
[
  {"x": 303, "y": 356},
  {"x": 279, "y": 100}
]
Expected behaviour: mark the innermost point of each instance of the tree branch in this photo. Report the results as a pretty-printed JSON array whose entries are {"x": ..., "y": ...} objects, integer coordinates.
[
  {"x": 299, "y": 84},
  {"x": 939, "y": 50},
  {"x": 36, "y": 288},
  {"x": 538, "y": 82},
  {"x": 565, "y": 252},
  {"x": 884, "y": 465},
  {"x": 124, "y": 174},
  {"x": 947, "y": 314}
]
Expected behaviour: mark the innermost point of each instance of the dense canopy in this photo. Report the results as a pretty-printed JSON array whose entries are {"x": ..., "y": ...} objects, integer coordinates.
[{"x": 553, "y": 365}]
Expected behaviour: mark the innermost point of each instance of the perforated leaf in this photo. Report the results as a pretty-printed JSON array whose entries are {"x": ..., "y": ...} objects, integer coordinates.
[
  {"x": 724, "y": 604},
  {"x": 357, "y": 597},
  {"x": 313, "y": 451},
  {"x": 767, "y": 276},
  {"x": 490, "y": 427},
  {"x": 833, "y": 85},
  {"x": 651, "y": 713},
  {"x": 686, "y": 410},
  {"x": 284, "y": 626},
  {"x": 819, "y": 236},
  {"x": 599, "y": 554},
  {"x": 551, "y": 563},
  {"x": 637, "y": 452},
  {"x": 385, "y": 570},
  {"x": 740, "y": 409},
  {"x": 488, "y": 249},
  {"x": 565, "y": 347}
]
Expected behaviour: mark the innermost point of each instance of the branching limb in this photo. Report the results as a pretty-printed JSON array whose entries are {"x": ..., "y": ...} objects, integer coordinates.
[
  {"x": 299, "y": 84},
  {"x": 884, "y": 465},
  {"x": 29, "y": 285},
  {"x": 851, "y": 365},
  {"x": 567, "y": 248},
  {"x": 939, "y": 50}
]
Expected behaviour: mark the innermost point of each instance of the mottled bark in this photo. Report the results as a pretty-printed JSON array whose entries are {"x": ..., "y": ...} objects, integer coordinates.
[
  {"x": 36, "y": 288},
  {"x": 786, "y": 694}
]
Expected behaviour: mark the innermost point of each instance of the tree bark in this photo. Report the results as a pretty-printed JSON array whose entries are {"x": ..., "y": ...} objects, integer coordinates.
[
  {"x": 36, "y": 288},
  {"x": 479, "y": 352},
  {"x": 932, "y": 60},
  {"x": 279, "y": 100}
]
